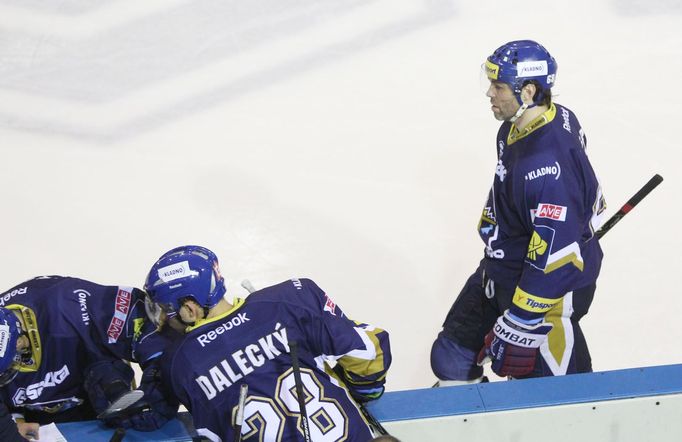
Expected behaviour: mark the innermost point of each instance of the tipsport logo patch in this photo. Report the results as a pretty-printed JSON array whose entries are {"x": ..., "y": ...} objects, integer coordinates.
[
  {"x": 491, "y": 70},
  {"x": 121, "y": 309}
]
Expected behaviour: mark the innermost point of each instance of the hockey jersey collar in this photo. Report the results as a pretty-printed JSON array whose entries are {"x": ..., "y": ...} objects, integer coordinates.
[
  {"x": 29, "y": 323},
  {"x": 546, "y": 117},
  {"x": 236, "y": 304}
]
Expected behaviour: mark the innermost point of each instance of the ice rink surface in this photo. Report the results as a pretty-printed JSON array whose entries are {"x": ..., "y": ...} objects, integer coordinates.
[{"x": 345, "y": 141}]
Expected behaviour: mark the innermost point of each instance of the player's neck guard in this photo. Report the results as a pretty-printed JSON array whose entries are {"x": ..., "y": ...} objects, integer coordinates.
[
  {"x": 515, "y": 134},
  {"x": 236, "y": 304},
  {"x": 29, "y": 324}
]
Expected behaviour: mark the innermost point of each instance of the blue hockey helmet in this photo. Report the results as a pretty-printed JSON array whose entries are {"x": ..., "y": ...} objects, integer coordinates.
[
  {"x": 519, "y": 62},
  {"x": 184, "y": 272},
  {"x": 10, "y": 358}
]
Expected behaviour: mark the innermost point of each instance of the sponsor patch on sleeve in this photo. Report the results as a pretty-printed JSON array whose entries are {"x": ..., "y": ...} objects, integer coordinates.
[
  {"x": 540, "y": 246},
  {"x": 329, "y": 305},
  {"x": 549, "y": 211},
  {"x": 532, "y": 303}
]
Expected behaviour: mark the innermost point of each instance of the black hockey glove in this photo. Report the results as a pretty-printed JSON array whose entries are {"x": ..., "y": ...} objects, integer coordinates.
[
  {"x": 106, "y": 381},
  {"x": 155, "y": 408},
  {"x": 361, "y": 393}
]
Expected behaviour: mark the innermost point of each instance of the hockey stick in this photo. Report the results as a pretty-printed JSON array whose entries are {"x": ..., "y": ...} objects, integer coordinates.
[
  {"x": 239, "y": 419},
  {"x": 123, "y": 403},
  {"x": 248, "y": 286},
  {"x": 293, "y": 347},
  {"x": 372, "y": 420},
  {"x": 632, "y": 202}
]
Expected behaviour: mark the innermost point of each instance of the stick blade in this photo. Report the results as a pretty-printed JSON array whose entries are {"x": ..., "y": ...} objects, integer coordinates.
[{"x": 125, "y": 401}]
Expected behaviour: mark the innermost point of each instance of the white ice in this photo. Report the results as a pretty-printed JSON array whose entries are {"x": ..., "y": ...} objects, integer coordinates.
[{"x": 346, "y": 141}]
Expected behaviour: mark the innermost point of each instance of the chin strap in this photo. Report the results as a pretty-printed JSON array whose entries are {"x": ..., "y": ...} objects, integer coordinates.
[{"x": 520, "y": 111}]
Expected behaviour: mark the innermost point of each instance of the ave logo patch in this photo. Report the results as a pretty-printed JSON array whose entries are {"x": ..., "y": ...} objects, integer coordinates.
[
  {"x": 549, "y": 211},
  {"x": 329, "y": 305}
]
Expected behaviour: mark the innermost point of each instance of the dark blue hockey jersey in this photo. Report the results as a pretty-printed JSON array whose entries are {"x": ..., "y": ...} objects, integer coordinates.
[
  {"x": 71, "y": 324},
  {"x": 542, "y": 211},
  {"x": 250, "y": 345}
]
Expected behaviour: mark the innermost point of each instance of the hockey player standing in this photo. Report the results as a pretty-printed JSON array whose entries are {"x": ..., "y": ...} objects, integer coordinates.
[
  {"x": 521, "y": 307},
  {"x": 248, "y": 341},
  {"x": 63, "y": 342}
]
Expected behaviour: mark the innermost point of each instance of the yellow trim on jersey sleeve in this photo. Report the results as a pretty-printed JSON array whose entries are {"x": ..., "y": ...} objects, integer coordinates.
[
  {"x": 531, "y": 303},
  {"x": 236, "y": 304},
  {"x": 546, "y": 117},
  {"x": 366, "y": 367},
  {"x": 568, "y": 255}
]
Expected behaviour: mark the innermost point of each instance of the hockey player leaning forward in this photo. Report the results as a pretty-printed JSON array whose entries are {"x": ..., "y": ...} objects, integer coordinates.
[
  {"x": 248, "y": 341},
  {"x": 521, "y": 307},
  {"x": 63, "y": 342}
]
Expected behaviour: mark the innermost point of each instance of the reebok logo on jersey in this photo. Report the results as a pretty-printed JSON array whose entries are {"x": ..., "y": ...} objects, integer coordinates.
[
  {"x": 211, "y": 336},
  {"x": 567, "y": 121},
  {"x": 9, "y": 295},
  {"x": 542, "y": 171},
  {"x": 549, "y": 211},
  {"x": 33, "y": 391}
]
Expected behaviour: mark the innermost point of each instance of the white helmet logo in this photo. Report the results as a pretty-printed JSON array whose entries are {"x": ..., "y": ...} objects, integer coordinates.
[{"x": 176, "y": 271}]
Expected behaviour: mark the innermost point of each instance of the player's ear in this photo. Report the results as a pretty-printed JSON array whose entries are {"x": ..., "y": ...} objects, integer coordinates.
[
  {"x": 196, "y": 312},
  {"x": 528, "y": 92}
]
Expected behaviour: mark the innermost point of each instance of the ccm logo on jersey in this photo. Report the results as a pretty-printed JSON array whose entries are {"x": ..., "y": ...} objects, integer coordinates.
[{"x": 549, "y": 211}]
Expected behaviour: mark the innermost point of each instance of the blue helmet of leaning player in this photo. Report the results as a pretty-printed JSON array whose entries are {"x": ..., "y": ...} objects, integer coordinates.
[
  {"x": 15, "y": 348},
  {"x": 182, "y": 274},
  {"x": 511, "y": 68}
]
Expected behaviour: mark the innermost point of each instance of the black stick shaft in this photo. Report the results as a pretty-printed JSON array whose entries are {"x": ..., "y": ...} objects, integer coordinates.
[
  {"x": 372, "y": 420},
  {"x": 632, "y": 202},
  {"x": 293, "y": 347}
]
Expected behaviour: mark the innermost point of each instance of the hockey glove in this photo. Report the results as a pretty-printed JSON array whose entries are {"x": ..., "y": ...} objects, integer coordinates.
[
  {"x": 512, "y": 346},
  {"x": 105, "y": 381},
  {"x": 361, "y": 393},
  {"x": 156, "y": 408}
]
